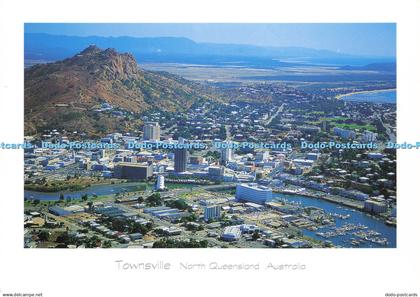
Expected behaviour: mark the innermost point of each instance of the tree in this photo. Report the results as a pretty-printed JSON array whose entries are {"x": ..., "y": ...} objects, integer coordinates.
[
  {"x": 90, "y": 204},
  {"x": 118, "y": 224},
  {"x": 44, "y": 235},
  {"x": 84, "y": 197},
  {"x": 191, "y": 218},
  {"x": 179, "y": 203},
  {"x": 140, "y": 228},
  {"x": 93, "y": 242},
  {"x": 154, "y": 200},
  {"x": 107, "y": 244},
  {"x": 256, "y": 235},
  {"x": 63, "y": 238},
  {"x": 171, "y": 243}
]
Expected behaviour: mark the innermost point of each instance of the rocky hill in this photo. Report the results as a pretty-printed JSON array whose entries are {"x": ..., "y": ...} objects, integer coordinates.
[{"x": 68, "y": 94}]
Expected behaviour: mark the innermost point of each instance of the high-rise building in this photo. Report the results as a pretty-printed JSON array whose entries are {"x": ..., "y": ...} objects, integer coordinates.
[
  {"x": 253, "y": 193},
  {"x": 151, "y": 131},
  {"x": 160, "y": 183},
  {"x": 226, "y": 154},
  {"x": 212, "y": 212},
  {"x": 181, "y": 156}
]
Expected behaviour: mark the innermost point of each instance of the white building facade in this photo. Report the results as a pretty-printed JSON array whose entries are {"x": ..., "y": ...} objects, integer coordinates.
[{"x": 253, "y": 193}]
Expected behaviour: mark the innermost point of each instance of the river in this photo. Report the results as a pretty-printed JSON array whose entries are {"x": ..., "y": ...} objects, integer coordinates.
[
  {"x": 356, "y": 217},
  {"x": 100, "y": 190}
]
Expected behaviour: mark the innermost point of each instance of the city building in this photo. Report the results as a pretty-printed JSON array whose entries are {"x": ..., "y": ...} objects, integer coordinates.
[
  {"x": 343, "y": 133},
  {"x": 303, "y": 162},
  {"x": 133, "y": 170},
  {"x": 216, "y": 171},
  {"x": 196, "y": 160},
  {"x": 59, "y": 211},
  {"x": 375, "y": 156},
  {"x": 325, "y": 126},
  {"x": 170, "y": 231},
  {"x": 231, "y": 233},
  {"x": 164, "y": 212},
  {"x": 253, "y": 193},
  {"x": 226, "y": 154},
  {"x": 151, "y": 131},
  {"x": 262, "y": 156},
  {"x": 312, "y": 156},
  {"x": 309, "y": 129},
  {"x": 212, "y": 212},
  {"x": 136, "y": 236},
  {"x": 181, "y": 157},
  {"x": 369, "y": 136},
  {"x": 375, "y": 205},
  {"x": 160, "y": 183}
]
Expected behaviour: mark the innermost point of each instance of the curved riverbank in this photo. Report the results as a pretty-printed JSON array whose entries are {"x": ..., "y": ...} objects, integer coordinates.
[
  {"x": 98, "y": 190},
  {"x": 72, "y": 185}
]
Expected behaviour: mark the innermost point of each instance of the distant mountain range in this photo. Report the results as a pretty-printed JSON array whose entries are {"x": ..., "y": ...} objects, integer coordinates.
[
  {"x": 65, "y": 94},
  {"x": 387, "y": 67},
  {"x": 47, "y": 47}
]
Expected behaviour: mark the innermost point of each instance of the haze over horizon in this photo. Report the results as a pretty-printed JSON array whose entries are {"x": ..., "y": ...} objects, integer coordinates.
[{"x": 374, "y": 39}]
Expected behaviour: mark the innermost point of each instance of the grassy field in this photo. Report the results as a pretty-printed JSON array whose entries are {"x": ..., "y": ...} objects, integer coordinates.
[
  {"x": 356, "y": 126},
  {"x": 339, "y": 122}
]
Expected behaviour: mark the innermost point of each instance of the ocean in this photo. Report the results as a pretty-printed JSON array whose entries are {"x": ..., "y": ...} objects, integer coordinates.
[{"x": 382, "y": 96}]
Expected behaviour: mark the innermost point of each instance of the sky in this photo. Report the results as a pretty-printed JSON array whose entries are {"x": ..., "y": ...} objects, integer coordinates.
[{"x": 368, "y": 39}]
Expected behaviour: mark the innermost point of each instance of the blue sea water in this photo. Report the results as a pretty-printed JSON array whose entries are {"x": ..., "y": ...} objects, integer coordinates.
[{"x": 387, "y": 96}]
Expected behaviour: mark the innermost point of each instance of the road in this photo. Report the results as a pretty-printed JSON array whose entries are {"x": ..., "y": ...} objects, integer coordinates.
[
  {"x": 228, "y": 135},
  {"x": 279, "y": 110},
  {"x": 388, "y": 130}
]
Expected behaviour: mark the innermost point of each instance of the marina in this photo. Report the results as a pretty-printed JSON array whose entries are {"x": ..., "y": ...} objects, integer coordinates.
[{"x": 352, "y": 228}]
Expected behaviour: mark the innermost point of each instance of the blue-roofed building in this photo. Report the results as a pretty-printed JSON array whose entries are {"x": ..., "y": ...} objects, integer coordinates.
[{"x": 59, "y": 211}]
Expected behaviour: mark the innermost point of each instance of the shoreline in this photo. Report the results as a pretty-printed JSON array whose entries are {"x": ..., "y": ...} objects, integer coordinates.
[
  {"x": 322, "y": 197},
  {"x": 339, "y": 97}
]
